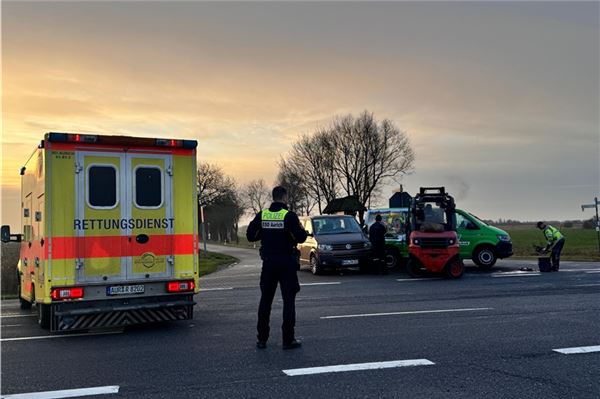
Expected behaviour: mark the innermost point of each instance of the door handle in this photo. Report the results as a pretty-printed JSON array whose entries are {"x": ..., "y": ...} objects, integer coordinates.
[{"x": 142, "y": 238}]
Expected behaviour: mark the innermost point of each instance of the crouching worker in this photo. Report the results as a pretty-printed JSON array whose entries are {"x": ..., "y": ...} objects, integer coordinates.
[
  {"x": 278, "y": 230},
  {"x": 554, "y": 242}
]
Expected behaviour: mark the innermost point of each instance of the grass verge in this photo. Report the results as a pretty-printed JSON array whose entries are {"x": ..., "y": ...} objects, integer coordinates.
[
  {"x": 580, "y": 244},
  {"x": 213, "y": 261}
]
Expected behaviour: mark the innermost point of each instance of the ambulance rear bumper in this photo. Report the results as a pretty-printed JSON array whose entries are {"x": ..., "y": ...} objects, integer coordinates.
[{"x": 120, "y": 312}]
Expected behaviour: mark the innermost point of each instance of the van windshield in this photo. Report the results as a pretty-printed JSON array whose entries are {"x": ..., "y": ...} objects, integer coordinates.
[
  {"x": 479, "y": 220},
  {"x": 334, "y": 225}
]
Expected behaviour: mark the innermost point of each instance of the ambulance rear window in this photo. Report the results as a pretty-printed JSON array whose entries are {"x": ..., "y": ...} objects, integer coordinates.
[
  {"x": 102, "y": 186},
  {"x": 148, "y": 187}
]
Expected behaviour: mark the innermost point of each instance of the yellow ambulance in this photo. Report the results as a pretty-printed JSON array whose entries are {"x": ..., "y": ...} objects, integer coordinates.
[{"x": 110, "y": 231}]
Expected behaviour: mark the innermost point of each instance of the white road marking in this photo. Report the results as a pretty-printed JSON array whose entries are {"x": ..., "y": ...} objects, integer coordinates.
[
  {"x": 216, "y": 289},
  {"x": 329, "y": 283},
  {"x": 358, "y": 366},
  {"x": 516, "y": 274},
  {"x": 592, "y": 272},
  {"x": 418, "y": 279},
  {"x": 66, "y": 393},
  {"x": 405, "y": 313},
  {"x": 579, "y": 270},
  {"x": 579, "y": 349},
  {"x": 58, "y": 336},
  {"x": 12, "y": 325},
  {"x": 17, "y": 315}
]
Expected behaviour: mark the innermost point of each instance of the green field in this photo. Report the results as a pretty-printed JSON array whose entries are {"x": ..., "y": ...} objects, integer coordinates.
[
  {"x": 211, "y": 261},
  {"x": 580, "y": 244}
]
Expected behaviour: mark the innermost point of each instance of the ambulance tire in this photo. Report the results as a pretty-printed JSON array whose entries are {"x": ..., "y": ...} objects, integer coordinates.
[
  {"x": 43, "y": 315},
  {"x": 23, "y": 304}
]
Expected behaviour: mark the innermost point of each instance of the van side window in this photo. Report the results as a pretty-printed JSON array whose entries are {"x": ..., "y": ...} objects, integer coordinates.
[
  {"x": 148, "y": 187},
  {"x": 102, "y": 186}
]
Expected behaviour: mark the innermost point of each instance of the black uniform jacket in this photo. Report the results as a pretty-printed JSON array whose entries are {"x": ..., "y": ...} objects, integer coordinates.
[
  {"x": 276, "y": 242},
  {"x": 377, "y": 235}
]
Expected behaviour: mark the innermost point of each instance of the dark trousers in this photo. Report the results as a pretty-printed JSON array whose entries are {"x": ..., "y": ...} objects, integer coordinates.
[
  {"x": 282, "y": 271},
  {"x": 379, "y": 260},
  {"x": 555, "y": 255}
]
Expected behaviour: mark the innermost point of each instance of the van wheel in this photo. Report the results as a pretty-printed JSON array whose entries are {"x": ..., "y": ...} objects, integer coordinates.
[
  {"x": 484, "y": 257},
  {"x": 43, "y": 315},
  {"x": 314, "y": 265},
  {"x": 414, "y": 268},
  {"x": 455, "y": 268},
  {"x": 23, "y": 304},
  {"x": 391, "y": 258}
]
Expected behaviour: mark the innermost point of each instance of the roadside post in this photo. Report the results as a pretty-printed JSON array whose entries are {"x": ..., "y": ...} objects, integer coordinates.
[
  {"x": 594, "y": 205},
  {"x": 202, "y": 223}
]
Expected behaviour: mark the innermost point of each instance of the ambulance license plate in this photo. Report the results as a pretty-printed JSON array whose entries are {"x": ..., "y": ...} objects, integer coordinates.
[
  {"x": 350, "y": 262},
  {"x": 125, "y": 289}
]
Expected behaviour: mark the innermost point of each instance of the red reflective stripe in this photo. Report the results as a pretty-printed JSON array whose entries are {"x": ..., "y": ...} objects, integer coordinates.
[{"x": 117, "y": 246}]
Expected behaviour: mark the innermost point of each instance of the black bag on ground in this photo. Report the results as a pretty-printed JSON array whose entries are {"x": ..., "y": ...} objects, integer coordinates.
[{"x": 544, "y": 264}]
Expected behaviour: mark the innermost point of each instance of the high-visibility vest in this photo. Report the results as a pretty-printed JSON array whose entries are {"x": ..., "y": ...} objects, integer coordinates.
[
  {"x": 552, "y": 234},
  {"x": 274, "y": 238},
  {"x": 272, "y": 220}
]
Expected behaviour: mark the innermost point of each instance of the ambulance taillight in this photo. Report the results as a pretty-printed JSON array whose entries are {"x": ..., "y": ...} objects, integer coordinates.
[
  {"x": 59, "y": 294},
  {"x": 181, "y": 286}
]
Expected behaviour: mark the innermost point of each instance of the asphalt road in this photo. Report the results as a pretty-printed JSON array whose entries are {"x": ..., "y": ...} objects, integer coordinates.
[{"x": 489, "y": 334}]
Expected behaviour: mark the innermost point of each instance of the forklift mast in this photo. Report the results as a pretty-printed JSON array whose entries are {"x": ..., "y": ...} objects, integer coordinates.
[{"x": 432, "y": 208}]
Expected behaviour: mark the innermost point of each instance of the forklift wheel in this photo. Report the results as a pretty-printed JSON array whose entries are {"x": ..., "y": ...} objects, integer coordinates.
[
  {"x": 414, "y": 268},
  {"x": 455, "y": 268}
]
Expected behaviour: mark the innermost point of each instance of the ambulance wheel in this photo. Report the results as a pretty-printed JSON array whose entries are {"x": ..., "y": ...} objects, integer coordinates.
[
  {"x": 43, "y": 315},
  {"x": 484, "y": 257},
  {"x": 414, "y": 268},
  {"x": 455, "y": 268},
  {"x": 314, "y": 265},
  {"x": 23, "y": 304}
]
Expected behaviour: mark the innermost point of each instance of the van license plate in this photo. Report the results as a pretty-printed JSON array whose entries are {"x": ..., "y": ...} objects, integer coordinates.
[
  {"x": 350, "y": 262},
  {"x": 125, "y": 289}
]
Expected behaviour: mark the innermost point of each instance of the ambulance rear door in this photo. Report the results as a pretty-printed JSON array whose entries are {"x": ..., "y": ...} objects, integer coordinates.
[
  {"x": 101, "y": 198},
  {"x": 149, "y": 211}
]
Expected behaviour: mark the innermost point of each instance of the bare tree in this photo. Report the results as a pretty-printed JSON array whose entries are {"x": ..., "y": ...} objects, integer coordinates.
[
  {"x": 369, "y": 154},
  {"x": 311, "y": 158},
  {"x": 296, "y": 185},
  {"x": 354, "y": 156},
  {"x": 212, "y": 183},
  {"x": 256, "y": 195}
]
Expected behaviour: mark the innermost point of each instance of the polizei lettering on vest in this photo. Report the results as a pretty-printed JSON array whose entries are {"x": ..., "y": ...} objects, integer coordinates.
[
  {"x": 270, "y": 224},
  {"x": 122, "y": 224}
]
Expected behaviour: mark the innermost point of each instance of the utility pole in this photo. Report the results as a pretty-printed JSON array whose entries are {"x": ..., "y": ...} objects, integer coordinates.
[{"x": 594, "y": 205}]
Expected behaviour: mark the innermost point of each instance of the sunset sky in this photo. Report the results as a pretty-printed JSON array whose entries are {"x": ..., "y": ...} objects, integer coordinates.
[{"x": 500, "y": 100}]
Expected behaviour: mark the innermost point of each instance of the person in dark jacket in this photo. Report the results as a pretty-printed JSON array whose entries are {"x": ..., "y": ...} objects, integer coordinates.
[
  {"x": 278, "y": 230},
  {"x": 377, "y": 237}
]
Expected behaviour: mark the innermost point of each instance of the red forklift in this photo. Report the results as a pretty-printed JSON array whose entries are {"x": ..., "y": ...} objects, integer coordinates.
[{"x": 433, "y": 244}]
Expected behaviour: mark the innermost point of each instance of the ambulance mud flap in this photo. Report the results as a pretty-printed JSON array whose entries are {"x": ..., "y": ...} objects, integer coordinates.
[{"x": 73, "y": 316}]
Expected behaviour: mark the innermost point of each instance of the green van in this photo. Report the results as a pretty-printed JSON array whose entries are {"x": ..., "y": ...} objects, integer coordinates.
[{"x": 482, "y": 243}]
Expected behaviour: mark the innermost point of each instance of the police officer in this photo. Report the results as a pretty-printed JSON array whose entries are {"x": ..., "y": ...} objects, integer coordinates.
[
  {"x": 377, "y": 233},
  {"x": 555, "y": 241},
  {"x": 279, "y": 230}
]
